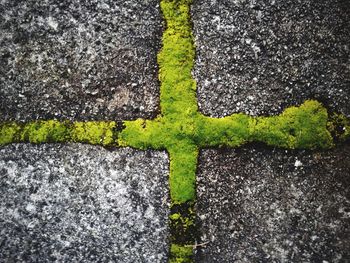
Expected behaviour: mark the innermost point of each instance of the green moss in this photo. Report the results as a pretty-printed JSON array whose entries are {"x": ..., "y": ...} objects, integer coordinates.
[
  {"x": 182, "y": 223},
  {"x": 53, "y": 131},
  {"x": 230, "y": 131},
  {"x": 181, "y": 254},
  {"x": 339, "y": 126},
  {"x": 175, "y": 216},
  {"x": 45, "y": 131},
  {"x": 182, "y": 130},
  {"x": 94, "y": 132},
  {"x": 183, "y": 163},
  {"x": 176, "y": 60},
  {"x": 176, "y": 128},
  {"x": 9, "y": 133},
  {"x": 175, "y": 135},
  {"x": 297, "y": 127}
]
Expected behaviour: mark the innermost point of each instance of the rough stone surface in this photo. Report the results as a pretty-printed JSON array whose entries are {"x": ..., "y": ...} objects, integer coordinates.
[
  {"x": 79, "y": 59},
  {"x": 259, "y": 57},
  {"x": 79, "y": 203},
  {"x": 267, "y": 205}
]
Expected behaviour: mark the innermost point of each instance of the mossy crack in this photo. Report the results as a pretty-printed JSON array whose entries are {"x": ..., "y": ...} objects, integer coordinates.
[{"x": 182, "y": 130}]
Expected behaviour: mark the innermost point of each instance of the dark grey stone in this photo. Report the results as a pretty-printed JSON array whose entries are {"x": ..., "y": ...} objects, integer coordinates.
[
  {"x": 80, "y": 203},
  {"x": 259, "y": 57},
  {"x": 268, "y": 205},
  {"x": 79, "y": 59}
]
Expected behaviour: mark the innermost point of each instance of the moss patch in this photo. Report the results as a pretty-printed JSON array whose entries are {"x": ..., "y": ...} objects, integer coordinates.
[
  {"x": 9, "y": 133},
  {"x": 181, "y": 254},
  {"x": 182, "y": 130},
  {"x": 94, "y": 132},
  {"x": 183, "y": 227},
  {"x": 303, "y": 127},
  {"x": 176, "y": 127},
  {"x": 339, "y": 126},
  {"x": 45, "y": 131},
  {"x": 53, "y": 131}
]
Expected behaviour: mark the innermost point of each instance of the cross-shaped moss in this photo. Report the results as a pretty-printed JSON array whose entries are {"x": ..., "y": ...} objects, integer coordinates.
[{"x": 182, "y": 130}]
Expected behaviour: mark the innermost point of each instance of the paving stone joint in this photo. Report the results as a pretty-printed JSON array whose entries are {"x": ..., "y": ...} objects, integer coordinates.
[{"x": 182, "y": 130}]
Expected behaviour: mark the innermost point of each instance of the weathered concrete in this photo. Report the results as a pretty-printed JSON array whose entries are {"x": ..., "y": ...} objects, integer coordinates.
[
  {"x": 268, "y": 205},
  {"x": 79, "y": 59},
  {"x": 258, "y": 56},
  {"x": 80, "y": 203}
]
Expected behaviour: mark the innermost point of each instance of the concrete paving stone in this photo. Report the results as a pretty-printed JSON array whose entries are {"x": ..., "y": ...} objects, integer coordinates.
[
  {"x": 79, "y": 59},
  {"x": 259, "y": 57},
  {"x": 80, "y": 203},
  {"x": 269, "y": 205}
]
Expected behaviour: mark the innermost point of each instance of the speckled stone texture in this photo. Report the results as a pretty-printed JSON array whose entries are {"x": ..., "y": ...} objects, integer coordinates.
[
  {"x": 80, "y": 203},
  {"x": 269, "y": 205},
  {"x": 79, "y": 59},
  {"x": 258, "y": 56}
]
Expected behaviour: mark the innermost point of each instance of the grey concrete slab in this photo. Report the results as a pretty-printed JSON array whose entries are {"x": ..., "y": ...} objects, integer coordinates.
[
  {"x": 258, "y": 56},
  {"x": 80, "y": 203},
  {"x": 79, "y": 59},
  {"x": 269, "y": 205}
]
